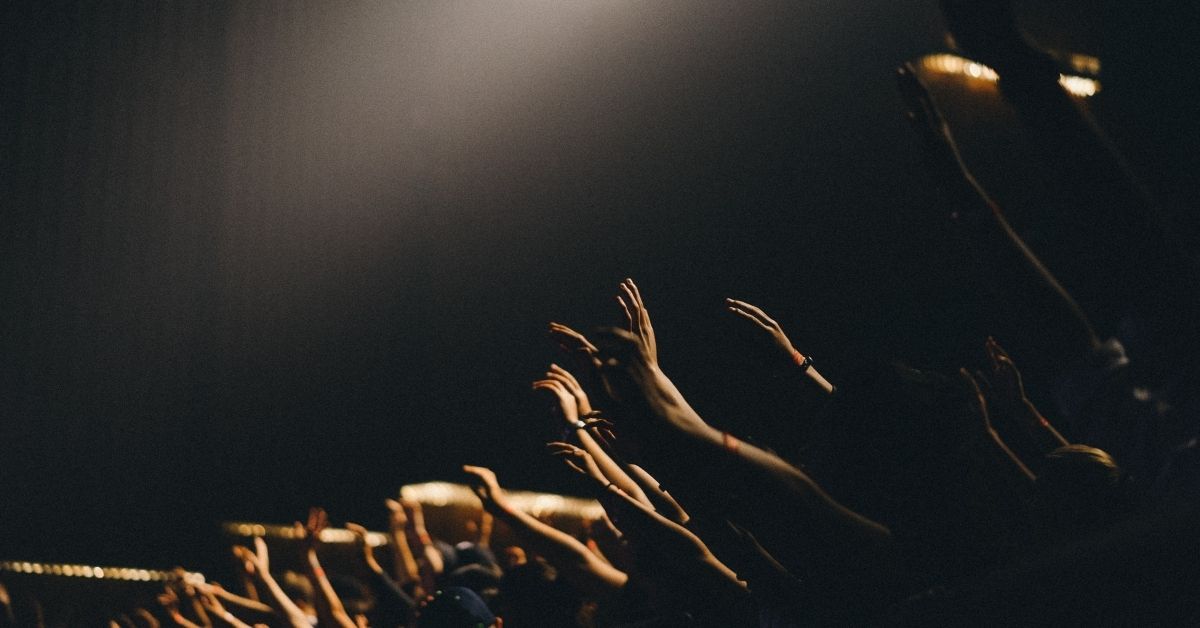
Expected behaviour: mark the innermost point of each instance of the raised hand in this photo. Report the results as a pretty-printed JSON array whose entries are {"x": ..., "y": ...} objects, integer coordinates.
[
  {"x": 404, "y": 561},
  {"x": 484, "y": 483},
  {"x": 1008, "y": 391},
  {"x": 397, "y": 517},
  {"x": 578, "y": 460},
  {"x": 637, "y": 318},
  {"x": 216, "y": 609},
  {"x": 574, "y": 343},
  {"x": 360, "y": 540},
  {"x": 169, "y": 600},
  {"x": 759, "y": 318},
  {"x": 567, "y": 404},
  {"x": 1007, "y": 387},
  {"x": 563, "y": 376},
  {"x": 635, "y": 381},
  {"x": 310, "y": 532},
  {"x": 979, "y": 406},
  {"x": 277, "y": 600}
]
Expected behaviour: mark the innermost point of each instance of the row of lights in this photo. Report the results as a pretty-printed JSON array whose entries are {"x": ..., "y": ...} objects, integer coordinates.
[
  {"x": 328, "y": 535},
  {"x": 945, "y": 63},
  {"x": 100, "y": 573},
  {"x": 437, "y": 494},
  {"x": 536, "y": 504}
]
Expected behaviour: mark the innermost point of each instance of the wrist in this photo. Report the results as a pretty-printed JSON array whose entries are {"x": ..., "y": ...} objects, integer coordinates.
[{"x": 804, "y": 362}]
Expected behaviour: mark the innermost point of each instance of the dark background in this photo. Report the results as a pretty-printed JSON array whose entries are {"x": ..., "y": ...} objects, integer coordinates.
[{"x": 258, "y": 256}]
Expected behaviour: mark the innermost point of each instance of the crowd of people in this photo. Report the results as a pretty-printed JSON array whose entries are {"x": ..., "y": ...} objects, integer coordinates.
[{"x": 920, "y": 498}]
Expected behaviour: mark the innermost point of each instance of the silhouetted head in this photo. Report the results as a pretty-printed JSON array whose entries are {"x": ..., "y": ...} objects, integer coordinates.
[{"x": 455, "y": 607}]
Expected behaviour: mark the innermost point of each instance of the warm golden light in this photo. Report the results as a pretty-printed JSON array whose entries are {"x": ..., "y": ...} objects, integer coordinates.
[
  {"x": 1080, "y": 86},
  {"x": 93, "y": 572},
  {"x": 537, "y": 504}
]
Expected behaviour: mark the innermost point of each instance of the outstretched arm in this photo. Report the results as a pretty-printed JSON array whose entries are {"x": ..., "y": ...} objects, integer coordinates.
[
  {"x": 1009, "y": 393},
  {"x": 276, "y": 599},
  {"x": 574, "y": 561},
  {"x": 252, "y": 608},
  {"x": 574, "y": 404},
  {"x": 673, "y": 436},
  {"x": 781, "y": 342},
  {"x": 980, "y": 408},
  {"x": 678, "y": 563},
  {"x": 1064, "y": 324},
  {"x": 404, "y": 563},
  {"x": 392, "y": 605},
  {"x": 330, "y": 610}
]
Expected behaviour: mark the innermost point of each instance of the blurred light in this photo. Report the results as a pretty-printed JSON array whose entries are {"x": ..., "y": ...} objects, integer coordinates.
[
  {"x": 88, "y": 571},
  {"x": 1080, "y": 86},
  {"x": 1085, "y": 64}
]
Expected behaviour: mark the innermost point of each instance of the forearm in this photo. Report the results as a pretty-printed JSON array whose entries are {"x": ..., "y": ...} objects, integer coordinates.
[
  {"x": 404, "y": 563},
  {"x": 811, "y": 375},
  {"x": 660, "y": 500},
  {"x": 429, "y": 563},
  {"x": 787, "y": 508},
  {"x": 678, "y": 563},
  {"x": 1039, "y": 428},
  {"x": 1065, "y": 327},
  {"x": 280, "y": 602},
  {"x": 1006, "y": 456},
  {"x": 329, "y": 605},
  {"x": 574, "y": 561},
  {"x": 246, "y": 604},
  {"x": 609, "y": 467}
]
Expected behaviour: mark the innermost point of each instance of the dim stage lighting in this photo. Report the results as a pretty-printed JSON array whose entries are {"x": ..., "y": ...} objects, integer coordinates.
[{"x": 1080, "y": 86}]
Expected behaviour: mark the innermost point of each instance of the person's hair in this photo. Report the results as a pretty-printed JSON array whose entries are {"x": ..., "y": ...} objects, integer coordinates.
[{"x": 1079, "y": 489}]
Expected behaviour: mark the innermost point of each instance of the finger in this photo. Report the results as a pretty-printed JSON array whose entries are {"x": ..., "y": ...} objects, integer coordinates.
[
  {"x": 634, "y": 305},
  {"x": 1007, "y": 367},
  {"x": 573, "y": 337},
  {"x": 1000, "y": 352},
  {"x": 565, "y": 373},
  {"x": 261, "y": 557},
  {"x": 990, "y": 347},
  {"x": 549, "y": 384},
  {"x": 570, "y": 384},
  {"x": 625, "y": 309},
  {"x": 753, "y": 319},
  {"x": 755, "y": 310},
  {"x": 595, "y": 421},
  {"x": 558, "y": 379},
  {"x": 575, "y": 467},
  {"x": 747, "y": 308},
  {"x": 637, "y": 294},
  {"x": 617, "y": 341}
]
